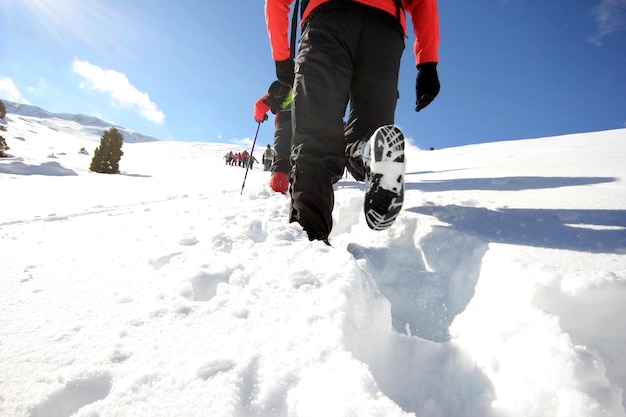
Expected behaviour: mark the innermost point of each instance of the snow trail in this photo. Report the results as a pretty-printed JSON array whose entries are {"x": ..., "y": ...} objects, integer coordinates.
[{"x": 162, "y": 291}]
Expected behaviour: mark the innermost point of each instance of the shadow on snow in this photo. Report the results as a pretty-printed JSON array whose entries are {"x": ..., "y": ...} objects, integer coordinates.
[
  {"x": 595, "y": 231},
  {"x": 47, "y": 168},
  {"x": 504, "y": 183}
]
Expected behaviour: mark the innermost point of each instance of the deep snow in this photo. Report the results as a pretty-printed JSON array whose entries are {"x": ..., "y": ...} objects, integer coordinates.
[{"x": 165, "y": 291}]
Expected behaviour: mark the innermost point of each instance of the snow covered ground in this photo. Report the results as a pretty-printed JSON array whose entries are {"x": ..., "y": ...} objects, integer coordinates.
[{"x": 164, "y": 291}]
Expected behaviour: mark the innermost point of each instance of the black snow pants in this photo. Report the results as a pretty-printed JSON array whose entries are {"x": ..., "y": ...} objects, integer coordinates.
[
  {"x": 348, "y": 53},
  {"x": 282, "y": 141}
]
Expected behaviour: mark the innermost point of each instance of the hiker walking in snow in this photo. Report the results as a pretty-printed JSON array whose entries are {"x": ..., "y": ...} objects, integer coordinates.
[
  {"x": 252, "y": 160},
  {"x": 268, "y": 158},
  {"x": 244, "y": 158},
  {"x": 278, "y": 101},
  {"x": 350, "y": 51},
  {"x": 229, "y": 158}
]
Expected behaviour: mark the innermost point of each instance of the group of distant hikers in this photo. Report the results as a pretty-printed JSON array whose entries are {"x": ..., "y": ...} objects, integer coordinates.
[
  {"x": 244, "y": 159},
  {"x": 241, "y": 159}
]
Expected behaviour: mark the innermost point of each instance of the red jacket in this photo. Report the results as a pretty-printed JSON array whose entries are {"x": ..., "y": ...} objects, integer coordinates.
[{"x": 423, "y": 13}]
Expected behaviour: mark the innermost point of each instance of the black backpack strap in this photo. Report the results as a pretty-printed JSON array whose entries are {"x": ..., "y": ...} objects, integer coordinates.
[
  {"x": 399, "y": 9},
  {"x": 294, "y": 29}
]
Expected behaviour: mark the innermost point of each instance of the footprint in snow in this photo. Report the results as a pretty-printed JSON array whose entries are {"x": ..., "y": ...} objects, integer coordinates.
[
  {"x": 215, "y": 367},
  {"x": 75, "y": 395}
]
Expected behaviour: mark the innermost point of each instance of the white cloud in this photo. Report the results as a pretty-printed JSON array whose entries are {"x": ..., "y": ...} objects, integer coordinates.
[
  {"x": 9, "y": 91},
  {"x": 242, "y": 142},
  {"x": 610, "y": 16},
  {"x": 119, "y": 89}
]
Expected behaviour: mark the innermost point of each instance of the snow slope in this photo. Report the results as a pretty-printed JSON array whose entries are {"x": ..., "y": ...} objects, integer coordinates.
[
  {"x": 165, "y": 291},
  {"x": 34, "y": 118}
]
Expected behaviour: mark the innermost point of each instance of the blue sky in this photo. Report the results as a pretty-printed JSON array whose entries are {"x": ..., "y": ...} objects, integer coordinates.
[{"x": 192, "y": 70}]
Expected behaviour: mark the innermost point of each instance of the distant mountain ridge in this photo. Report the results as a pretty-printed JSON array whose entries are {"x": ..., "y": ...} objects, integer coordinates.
[{"x": 90, "y": 123}]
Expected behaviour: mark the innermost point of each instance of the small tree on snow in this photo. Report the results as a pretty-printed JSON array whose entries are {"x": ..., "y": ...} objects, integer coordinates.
[
  {"x": 106, "y": 157},
  {"x": 3, "y": 110},
  {"x": 3, "y": 147}
]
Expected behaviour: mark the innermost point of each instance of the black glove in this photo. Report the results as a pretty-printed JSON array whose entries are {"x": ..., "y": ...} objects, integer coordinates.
[
  {"x": 277, "y": 94},
  {"x": 426, "y": 85},
  {"x": 284, "y": 71},
  {"x": 262, "y": 120}
]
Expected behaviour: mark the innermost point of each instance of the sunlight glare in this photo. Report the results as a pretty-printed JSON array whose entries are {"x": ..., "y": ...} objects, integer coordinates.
[{"x": 92, "y": 23}]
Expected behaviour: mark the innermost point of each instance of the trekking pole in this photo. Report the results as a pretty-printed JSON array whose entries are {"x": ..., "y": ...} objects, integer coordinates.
[{"x": 251, "y": 153}]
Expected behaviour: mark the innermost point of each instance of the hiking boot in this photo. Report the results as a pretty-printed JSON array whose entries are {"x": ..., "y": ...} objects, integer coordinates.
[
  {"x": 279, "y": 182},
  {"x": 383, "y": 157}
]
